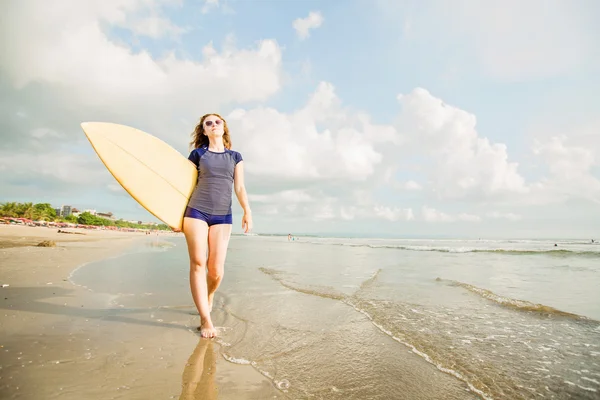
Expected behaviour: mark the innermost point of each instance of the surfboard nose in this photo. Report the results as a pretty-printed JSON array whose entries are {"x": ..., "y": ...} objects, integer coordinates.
[
  {"x": 93, "y": 129},
  {"x": 88, "y": 129}
]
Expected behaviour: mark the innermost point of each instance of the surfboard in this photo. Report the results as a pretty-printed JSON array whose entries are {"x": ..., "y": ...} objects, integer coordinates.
[{"x": 156, "y": 175}]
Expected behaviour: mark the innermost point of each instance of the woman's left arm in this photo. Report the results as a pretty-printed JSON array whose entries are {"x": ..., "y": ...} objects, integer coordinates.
[{"x": 240, "y": 192}]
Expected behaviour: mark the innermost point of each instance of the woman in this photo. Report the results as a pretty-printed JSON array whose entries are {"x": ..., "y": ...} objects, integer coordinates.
[{"x": 207, "y": 220}]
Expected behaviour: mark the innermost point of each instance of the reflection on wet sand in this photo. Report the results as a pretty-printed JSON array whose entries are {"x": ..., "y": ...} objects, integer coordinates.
[{"x": 198, "y": 380}]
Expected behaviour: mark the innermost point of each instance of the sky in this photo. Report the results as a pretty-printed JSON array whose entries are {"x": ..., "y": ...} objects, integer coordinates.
[{"x": 379, "y": 118}]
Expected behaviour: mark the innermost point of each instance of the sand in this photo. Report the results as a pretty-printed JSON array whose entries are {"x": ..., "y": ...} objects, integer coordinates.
[{"x": 60, "y": 340}]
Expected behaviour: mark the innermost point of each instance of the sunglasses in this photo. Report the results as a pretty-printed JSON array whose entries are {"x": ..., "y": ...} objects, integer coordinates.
[{"x": 217, "y": 122}]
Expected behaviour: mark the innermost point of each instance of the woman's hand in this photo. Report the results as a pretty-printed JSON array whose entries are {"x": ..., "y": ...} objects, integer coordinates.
[{"x": 247, "y": 222}]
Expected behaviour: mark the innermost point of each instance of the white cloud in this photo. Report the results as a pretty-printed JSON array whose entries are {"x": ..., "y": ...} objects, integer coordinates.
[
  {"x": 394, "y": 214},
  {"x": 59, "y": 167},
  {"x": 116, "y": 188},
  {"x": 323, "y": 211},
  {"x": 271, "y": 211},
  {"x": 209, "y": 5},
  {"x": 304, "y": 25},
  {"x": 299, "y": 149},
  {"x": 317, "y": 205},
  {"x": 40, "y": 133},
  {"x": 285, "y": 197},
  {"x": 324, "y": 143},
  {"x": 155, "y": 27},
  {"x": 432, "y": 215},
  {"x": 468, "y": 217},
  {"x": 521, "y": 40},
  {"x": 462, "y": 164},
  {"x": 500, "y": 215},
  {"x": 347, "y": 213},
  {"x": 565, "y": 162},
  {"x": 412, "y": 185},
  {"x": 570, "y": 171},
  {"x": 99, "y": 71},
  {"x": 509, "y": 41}
]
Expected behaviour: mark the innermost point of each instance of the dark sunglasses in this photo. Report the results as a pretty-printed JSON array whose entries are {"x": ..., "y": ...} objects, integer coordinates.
[{"x": 209, "y": 123}]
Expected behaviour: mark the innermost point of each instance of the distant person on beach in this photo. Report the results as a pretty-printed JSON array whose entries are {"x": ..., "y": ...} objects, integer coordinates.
[{"x": 207, "y": 219}]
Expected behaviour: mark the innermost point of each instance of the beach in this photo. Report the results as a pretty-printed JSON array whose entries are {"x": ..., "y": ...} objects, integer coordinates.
[
  {"x": 109, "y": 315},
  {"x": 61, "y": 340}
]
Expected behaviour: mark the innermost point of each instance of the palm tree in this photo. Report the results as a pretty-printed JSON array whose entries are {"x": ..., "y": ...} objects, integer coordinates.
[
  {"x": 43, "y": 212},
  {"x": 26, "y": 210},
  {"x": 9, "y": 209}
]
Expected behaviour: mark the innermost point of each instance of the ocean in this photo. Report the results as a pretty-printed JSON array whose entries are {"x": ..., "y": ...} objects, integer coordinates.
[{"x": 351, "y": 318}]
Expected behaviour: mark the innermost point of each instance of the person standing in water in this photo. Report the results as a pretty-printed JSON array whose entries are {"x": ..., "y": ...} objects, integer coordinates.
[{"x": 207, "y": 220}]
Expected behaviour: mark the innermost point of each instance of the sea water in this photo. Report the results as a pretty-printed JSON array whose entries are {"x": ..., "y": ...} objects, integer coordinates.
[{"x": 337, "y": 318}]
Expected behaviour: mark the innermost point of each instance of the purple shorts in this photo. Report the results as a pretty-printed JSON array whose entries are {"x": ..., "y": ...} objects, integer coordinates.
[{"x": 208, "y": 218}]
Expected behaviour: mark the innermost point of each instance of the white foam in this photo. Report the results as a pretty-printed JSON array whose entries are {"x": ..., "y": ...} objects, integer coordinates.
[
  {"x": 282, "y": 385},
  {"x": 241, "y": 361},
  {"x": 587, "y": 388},
  {"x": 423, "y": 355},
  {"x": 591, "y": 380}
]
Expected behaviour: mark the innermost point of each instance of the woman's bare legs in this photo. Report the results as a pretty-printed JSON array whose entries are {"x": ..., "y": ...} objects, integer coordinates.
[
  {"x": 196, "y": 236},
  {"x": 218, "y": 241}
]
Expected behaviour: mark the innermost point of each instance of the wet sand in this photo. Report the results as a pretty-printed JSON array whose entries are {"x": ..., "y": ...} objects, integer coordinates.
[{"x": 59, "y": 340}]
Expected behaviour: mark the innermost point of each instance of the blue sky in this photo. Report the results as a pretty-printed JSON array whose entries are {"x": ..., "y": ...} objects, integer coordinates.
[{"x": 386, "y": 118}]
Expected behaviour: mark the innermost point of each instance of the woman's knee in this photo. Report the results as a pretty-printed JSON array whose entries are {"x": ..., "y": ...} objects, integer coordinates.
[
  {"x": 197, "y": 264},
  {"x": 215, "y": 274}
]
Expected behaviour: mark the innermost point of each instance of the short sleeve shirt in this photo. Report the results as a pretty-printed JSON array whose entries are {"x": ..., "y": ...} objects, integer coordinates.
[{"x": 214, "y": 188}]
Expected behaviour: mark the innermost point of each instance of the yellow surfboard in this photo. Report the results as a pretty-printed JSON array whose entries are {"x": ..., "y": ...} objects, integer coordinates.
[{"x": 155, "y": 174}]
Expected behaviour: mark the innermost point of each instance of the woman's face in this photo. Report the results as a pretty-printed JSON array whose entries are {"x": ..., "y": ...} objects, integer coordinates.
[{"x": 213, "y": 126}]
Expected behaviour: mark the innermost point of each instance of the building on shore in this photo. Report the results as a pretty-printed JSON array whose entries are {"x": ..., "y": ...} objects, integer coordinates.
[
  {"x": 66, "y": 210},
  {"x": 63, "y": 211},
  {"x": 107, "y": 215}
]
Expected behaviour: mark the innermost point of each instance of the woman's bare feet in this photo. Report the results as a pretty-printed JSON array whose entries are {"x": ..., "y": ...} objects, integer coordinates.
[{"x": 207, "y": 330}]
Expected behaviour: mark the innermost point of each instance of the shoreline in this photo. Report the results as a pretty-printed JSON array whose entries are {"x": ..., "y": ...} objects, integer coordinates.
[{"x": 63, "y": 340}]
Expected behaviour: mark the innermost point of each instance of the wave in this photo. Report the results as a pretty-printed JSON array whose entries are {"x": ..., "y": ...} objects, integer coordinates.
[
  {"x": 350, "y": 300},
  {"x": 515, "y": 304},
  {"x": 422, "y": 332},
  {"x": 328, "y": 293},
  {"x": 439, "y": 365},
  {"x": 370, "y": 280},
  {"x": 556, "y": 253},
  {"x": 515, "y": 252},
  {"x": 283, "y": 385}
]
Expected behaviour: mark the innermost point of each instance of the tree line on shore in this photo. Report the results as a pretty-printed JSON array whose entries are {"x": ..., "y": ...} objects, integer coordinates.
[{"x": 45, "y": 212}]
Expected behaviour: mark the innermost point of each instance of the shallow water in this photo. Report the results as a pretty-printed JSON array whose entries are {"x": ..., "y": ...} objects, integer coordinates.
[{"x": 357, "y": 318}]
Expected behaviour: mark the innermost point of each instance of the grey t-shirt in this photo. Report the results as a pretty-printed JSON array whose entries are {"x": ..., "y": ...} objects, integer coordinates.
[{"x": 213, "y": 190}]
